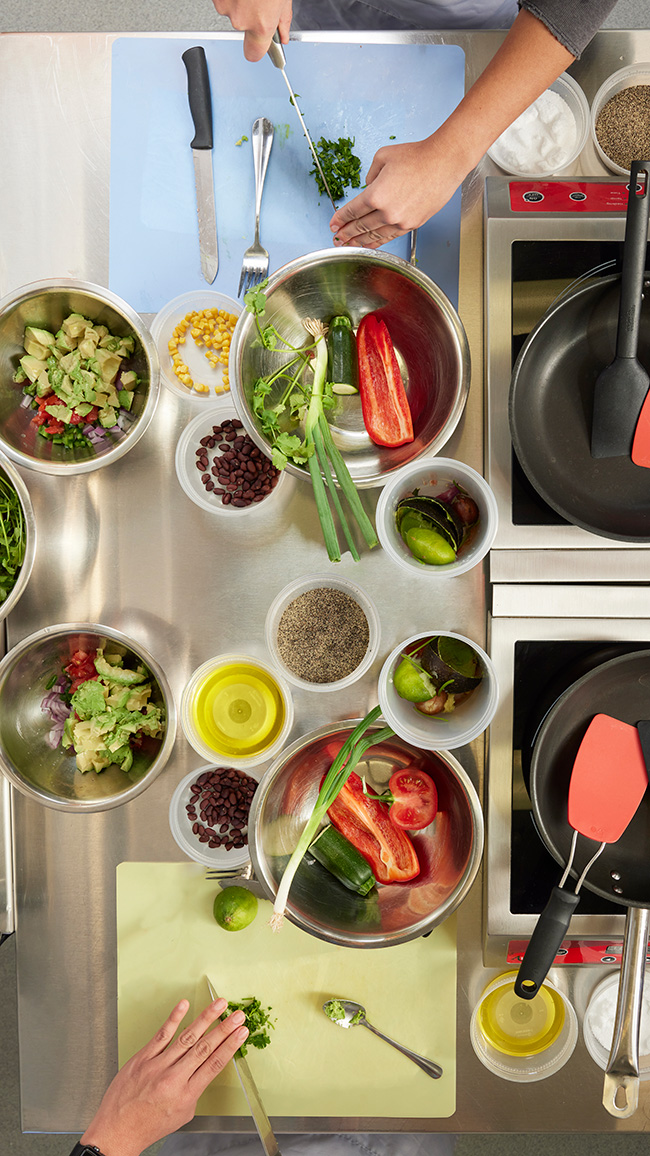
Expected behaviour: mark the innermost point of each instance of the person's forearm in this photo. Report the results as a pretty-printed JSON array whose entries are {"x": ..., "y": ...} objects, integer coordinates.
[{"x": 528, "y": 61}]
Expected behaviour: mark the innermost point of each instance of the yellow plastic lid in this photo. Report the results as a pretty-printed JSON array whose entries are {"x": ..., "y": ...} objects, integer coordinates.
[
  {"x": 521, "y": 1027},
  {"x": 238, "y": 710}
]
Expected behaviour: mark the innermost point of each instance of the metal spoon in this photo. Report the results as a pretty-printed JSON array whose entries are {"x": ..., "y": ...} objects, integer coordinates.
[{"x": 356, "y": 1014}]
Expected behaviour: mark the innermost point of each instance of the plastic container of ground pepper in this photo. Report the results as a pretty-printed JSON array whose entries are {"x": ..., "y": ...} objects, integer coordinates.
[
  {"x": 323, "y": 632},
  {"x": 626, "y": 122}
]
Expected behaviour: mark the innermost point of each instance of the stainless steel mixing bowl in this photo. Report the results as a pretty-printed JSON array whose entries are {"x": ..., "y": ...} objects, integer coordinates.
[
  {"x": 10, "y": 474},
  {"x": 449, "y": 850},
  {"x": 46, "y": 304},
  {"x": 50, "y": 776},
  {"x": 428, "y": 335}
]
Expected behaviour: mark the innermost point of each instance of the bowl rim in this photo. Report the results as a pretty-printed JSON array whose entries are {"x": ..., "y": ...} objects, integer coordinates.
[
  {"x": 110, "y": 801},
  {"x": 413, "y": 273},
  {"x": 427, "y": 923},
  {"x": 401, "y": 478},
  {"x": 31, "y": 535},
  {"x": 471, "y": 732},
  {"x": 32, "y": 289},
  {"x": 301, "y": 585}
]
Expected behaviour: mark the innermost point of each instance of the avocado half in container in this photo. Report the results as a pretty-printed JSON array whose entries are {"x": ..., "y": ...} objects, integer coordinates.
[
  {"x": 451, "y": 663},
  {"x": 431, "y": 513}
]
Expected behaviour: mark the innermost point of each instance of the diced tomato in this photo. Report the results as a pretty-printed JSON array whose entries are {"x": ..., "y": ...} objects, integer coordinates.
[
  {"x": 366, "y": 824},
  {"x": 415, "y": 799},
  {"x": 81, "y": 668}
]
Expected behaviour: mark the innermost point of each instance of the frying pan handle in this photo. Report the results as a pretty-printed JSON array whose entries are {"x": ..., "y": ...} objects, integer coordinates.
[
  {"x": 621, "y": 1086},
  {"x": 634, "y": 255},
  {"x": 550, "y": 930}
]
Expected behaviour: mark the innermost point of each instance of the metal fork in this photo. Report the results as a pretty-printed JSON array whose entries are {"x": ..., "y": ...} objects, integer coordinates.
[{"x": 255, "y": 264}]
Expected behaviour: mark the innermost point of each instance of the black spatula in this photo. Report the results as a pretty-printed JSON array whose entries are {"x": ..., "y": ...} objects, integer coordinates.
[{"x": 621, "y": 387}]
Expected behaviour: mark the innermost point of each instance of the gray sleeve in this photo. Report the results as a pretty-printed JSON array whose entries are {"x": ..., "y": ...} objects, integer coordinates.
[{"x": 572, "y": 22}]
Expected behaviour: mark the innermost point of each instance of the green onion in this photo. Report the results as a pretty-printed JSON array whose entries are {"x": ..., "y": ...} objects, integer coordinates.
[{"x": 352, "y": 750}]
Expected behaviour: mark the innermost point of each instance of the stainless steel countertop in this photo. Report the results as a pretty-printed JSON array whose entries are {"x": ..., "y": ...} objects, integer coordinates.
[{"x": 176, "y": 585}]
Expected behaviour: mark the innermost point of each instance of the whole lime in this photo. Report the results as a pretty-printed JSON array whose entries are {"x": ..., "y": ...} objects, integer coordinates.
[
  {"x": 234, "y": 908},
  {"x": 412, "y": 683}
]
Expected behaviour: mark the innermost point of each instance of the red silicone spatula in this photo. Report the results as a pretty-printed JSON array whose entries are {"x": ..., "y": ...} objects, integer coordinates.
[{"x": 608, "y": 781}]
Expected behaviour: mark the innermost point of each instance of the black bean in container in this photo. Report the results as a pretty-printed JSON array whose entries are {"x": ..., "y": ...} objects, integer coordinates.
[
  {"x": 238, "y": 484},
  {"x": 223, "y": 796}
]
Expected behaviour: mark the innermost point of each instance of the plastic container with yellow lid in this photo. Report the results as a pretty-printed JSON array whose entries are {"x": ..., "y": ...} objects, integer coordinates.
[
  {"x": 519, "y": 1039},
  {"x": 237, "y": 709}
]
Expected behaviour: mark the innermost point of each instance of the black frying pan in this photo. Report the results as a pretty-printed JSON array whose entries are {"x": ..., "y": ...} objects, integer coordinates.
[
  {"x": 621, "y": 688},
  {"x": 551, "y": 403}
]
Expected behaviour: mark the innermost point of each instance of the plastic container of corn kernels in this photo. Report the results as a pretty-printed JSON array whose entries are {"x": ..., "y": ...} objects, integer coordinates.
[{"x": 202, "y": 363}]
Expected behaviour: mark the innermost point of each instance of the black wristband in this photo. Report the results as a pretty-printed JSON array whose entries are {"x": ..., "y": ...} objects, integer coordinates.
[{"x": 85, "y": 1150}]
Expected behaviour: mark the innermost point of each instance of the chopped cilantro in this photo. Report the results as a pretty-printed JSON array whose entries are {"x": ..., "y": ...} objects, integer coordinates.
[
  {"x": 342, "y": 169},
  {"x": 258, "y": 1022},
  {"x": 241, "y": 140}
]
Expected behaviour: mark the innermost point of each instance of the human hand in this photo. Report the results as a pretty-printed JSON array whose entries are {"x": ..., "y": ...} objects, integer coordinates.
[
  {"x": 258, "y": 20},
  {"x": 156, "y": 1091},
  {"x": 406, "y": 184}
]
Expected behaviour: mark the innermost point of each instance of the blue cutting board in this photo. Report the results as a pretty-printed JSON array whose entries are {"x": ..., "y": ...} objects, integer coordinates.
[{"x": 371, "y": 92}]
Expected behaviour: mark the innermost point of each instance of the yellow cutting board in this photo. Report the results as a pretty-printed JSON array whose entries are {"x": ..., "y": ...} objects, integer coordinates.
[{"x": 168, "y": 942}]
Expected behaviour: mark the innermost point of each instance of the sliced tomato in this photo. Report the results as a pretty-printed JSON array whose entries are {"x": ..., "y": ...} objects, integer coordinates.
[{"x": 415, "y": 799}]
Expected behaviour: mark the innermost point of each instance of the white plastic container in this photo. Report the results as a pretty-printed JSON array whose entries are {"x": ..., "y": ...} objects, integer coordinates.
[
  {"x": 514, "y": 1059},
  {"x": 571, "y": 92},
  {"x": 226, "y": 862},
  {"x": 628, "y": 77},
  {"x": 315, "y": 582},
  {"x": 201, "y": 372},
  {"x": 598, "y": 1023},
  {"x": 433, "y": 476},
  {"x": 238, "y": 717},
  {"x": 189, "y": 476},
  {"x": 465, "y": 723}
]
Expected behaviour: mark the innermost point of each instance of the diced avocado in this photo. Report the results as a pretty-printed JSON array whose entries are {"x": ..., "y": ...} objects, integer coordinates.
[
  {"x": 89, "y": 699},
  {"x": 60, "y": 412},
  {"x": 107, "y": 417},
  {"x": 109, "y": 364},
  {"x": 110, "y": 342},
  {"x": 32, "y": 366},
  {"x": 70, "y": 362},
  {"x": 120, "y": 675},
  {"x": 40, "y": 336},
  {"x": 20, "y": 376},
  {"x": 35, "y": 349},
  {"x": 125, "y": 398},
  {"x": 87, "y": 345},
  {"x": 129, "y": 378},
  {"x": 43, "y": 387},
  {"x": 74, "y": 325},
  {"x": 63, "y": 341},
  {"x": 83, "y": 408}
]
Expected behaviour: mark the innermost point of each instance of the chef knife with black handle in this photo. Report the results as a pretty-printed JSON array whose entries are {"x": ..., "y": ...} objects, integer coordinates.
[{"x": 200, "y": 101}]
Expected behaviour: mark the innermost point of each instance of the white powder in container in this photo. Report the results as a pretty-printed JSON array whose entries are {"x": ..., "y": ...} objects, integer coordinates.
[
  {"x": 602, "y": 1013},
  {"x": 541, "y": 140}
]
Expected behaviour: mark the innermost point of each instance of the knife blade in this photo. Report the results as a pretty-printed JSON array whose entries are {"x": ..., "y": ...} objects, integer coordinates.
[
  {"x": 276, "y": 52},
  {"x": 253, "y": 1099},
  {"x": 198, "y": 91}
]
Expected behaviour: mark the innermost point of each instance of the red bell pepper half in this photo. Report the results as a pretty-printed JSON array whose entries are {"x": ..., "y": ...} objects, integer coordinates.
[
  {"x": 384, "y": 404},
  {"x": 365, "y": 823}
]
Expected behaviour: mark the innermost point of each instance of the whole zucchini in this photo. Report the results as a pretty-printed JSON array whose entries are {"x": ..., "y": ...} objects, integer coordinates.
[
  {"x": 336, "y": 853},
  {"x": 342, "y": 369}
]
